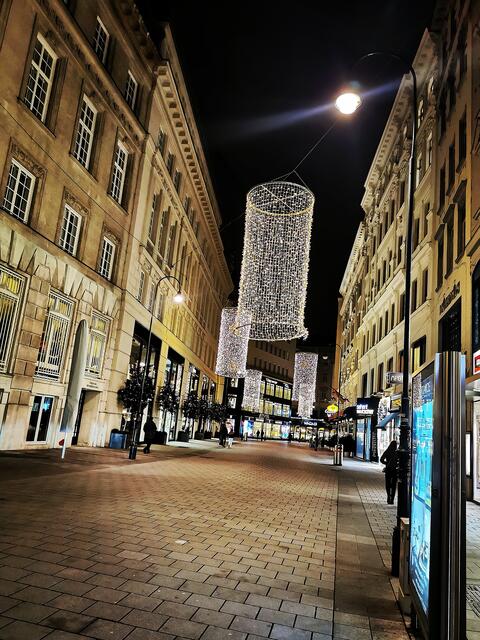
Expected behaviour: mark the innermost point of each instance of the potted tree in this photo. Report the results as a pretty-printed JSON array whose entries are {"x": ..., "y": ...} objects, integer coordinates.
[
  {"x": 190, "y": 410},
  {"x": 217, "y": 414},
  {"x": 203, "y": 411},
  {"x": 136, "y": 394},
  {"x": 168, "y": 401}
]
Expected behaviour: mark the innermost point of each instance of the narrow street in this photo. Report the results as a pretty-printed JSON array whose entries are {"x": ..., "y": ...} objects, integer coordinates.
[{"x": 264, "y": 540}]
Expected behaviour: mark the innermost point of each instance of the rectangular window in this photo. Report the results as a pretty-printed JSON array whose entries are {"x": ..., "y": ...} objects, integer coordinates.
[
  {"x": 100, "y": 41},
  {"x": 85, "y": 131},
  {"x": 419, "y": 349},
  {"x": 364, "y": 385},
  {"x": 451, "y": 165},
  {"x": 119, "y": 172},
  {"x": 441, "y": 195},
  {"x": 461, "y": 231},
  {"x": 392, "y": 317},
  {"x": 401, "y": 308},
  {"x": 170, "y": 162},
  {"x": 40, "y": 78},
  {"x": 372, "y": 381},
  {"x": 440, "y": 244},
  {"x": 414, "y": 294},
  {"x": 19, "y": 191},
  {"x": 380, "y": 381},
  {"x": 131, "y": 88},
  {"x": 56, "y": 329},
  {"x": 39, "y": 419},
  {"x": 418, "y": 169},
  {"x": 161, "y": 141},
  {"x": 177, "y": 179},
  {"x": 399, "y": 250},
  {"x": 402, "y": 192},
  {"x": 390, "y": 364},
  {"x": 107, "y": 257},
  {"x": 449, "y": 265},
  {"x": 97, "y": 345},
  {"x": 392, "y": 211},
  {"x": 462, "y": 138},
  {"x": 416, "y": 233},
  {"x": 426, "y": 210},
  {"x": 141, "y": 286},
  {"x": 424, "y": 285},
  {"x": 70, "y": 233},
  {"x": 429, "y": 150},
  {"x": 152, "y": 225},
  {"x": 11, "y": 293}
]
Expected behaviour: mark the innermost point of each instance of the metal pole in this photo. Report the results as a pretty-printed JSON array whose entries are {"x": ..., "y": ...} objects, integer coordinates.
[
  {"x": 132, "y": 454},
  {"x": 403, "y": 505}
]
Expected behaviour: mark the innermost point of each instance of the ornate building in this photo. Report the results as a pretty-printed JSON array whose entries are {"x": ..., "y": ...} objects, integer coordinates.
[
  {"x": 371, "y": 310},
  {"x": 104, "y": 190}
]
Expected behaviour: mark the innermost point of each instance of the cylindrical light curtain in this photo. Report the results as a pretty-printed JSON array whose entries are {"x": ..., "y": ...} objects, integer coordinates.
[
  {"x": 233, "y": 343},
  {"x": 251, "y": 391},
  {"x": 305, "y": 371},
  {"x": 306, "y": 400},
  {"x": 276, "y": 248}
]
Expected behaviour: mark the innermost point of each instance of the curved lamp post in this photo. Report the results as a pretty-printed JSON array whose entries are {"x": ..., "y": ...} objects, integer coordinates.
[
  {"x": 348, "y": 103},
  {"x": 178, "y": 298}
]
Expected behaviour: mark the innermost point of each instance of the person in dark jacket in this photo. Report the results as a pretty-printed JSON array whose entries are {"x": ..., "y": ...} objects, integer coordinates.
[
  {"x": 149, "y": 429},
  {"x": 223, "y": 435},
  {"x": 390, "y": 460}
]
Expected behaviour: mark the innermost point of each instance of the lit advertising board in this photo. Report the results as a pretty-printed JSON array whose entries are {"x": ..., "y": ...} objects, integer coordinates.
[{"x": 422, "y": 468}]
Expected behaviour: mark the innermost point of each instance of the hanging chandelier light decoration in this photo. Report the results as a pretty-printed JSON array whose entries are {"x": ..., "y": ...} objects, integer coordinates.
[
  {"x": 251, "y": 392},
  {"x": 306, "y": 400},
  {"x": 273, "y": 280},
  {"x": 305, "y": 372},
  {"x": 233, "y": 343}
]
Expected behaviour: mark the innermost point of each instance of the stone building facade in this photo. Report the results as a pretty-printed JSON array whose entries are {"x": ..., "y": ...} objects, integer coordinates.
[
  {"x": 86, "y": 99},
  {"x": 371, "y": 310}
]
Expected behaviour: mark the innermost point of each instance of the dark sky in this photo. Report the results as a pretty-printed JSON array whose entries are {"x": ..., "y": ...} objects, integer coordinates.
[{"x": 261, "y": 81}]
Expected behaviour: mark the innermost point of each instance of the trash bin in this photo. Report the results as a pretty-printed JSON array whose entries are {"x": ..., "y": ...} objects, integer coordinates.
[
  {"x": 338, "y": 455},
  {"x": 118, "y": 439}
]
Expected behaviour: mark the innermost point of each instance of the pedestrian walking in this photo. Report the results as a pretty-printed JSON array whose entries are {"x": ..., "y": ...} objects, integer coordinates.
[
  {"x": 150, "y": 429},
  {"x": 223, "y": 434},
  {"x": 258, "y": 434},
  {"x": 390, "y": 460},
  {"x": 262, "y": 436},
  {"x": 290, "y": 437}
]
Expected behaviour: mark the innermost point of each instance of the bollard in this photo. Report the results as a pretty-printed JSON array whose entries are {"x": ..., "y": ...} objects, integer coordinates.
[{"x": 338, "y": 455}]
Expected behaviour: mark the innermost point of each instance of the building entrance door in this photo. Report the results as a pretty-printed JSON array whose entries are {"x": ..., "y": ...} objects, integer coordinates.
[{"x": 78, "y": 421}]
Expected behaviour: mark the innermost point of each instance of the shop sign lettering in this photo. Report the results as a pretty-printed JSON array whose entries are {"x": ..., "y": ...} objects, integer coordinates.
[{"x": 449, "y": 298}]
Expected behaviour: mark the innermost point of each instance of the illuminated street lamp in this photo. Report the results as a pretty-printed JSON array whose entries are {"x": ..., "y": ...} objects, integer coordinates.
[
  {"x": 347, "y": 103},
  {"x": 178, "y": 298}
]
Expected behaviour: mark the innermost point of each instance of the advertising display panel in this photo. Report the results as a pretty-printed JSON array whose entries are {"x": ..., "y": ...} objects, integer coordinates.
[
  {"x": 360, "y": 438},
  {"x": 422, "y": 458},
  {"x": 437, "y": 517}
]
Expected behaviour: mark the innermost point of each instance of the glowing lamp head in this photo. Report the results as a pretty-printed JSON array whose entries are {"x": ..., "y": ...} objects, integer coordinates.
[
  {"x": 348, "y": 102},
  {"x": 178, "y": 298}
]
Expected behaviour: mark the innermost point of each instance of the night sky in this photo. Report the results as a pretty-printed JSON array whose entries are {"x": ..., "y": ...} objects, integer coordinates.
[{"x": 262, "y": 81}]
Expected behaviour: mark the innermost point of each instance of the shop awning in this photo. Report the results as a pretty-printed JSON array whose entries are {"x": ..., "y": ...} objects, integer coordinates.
[{"x": 383, "y": 423}]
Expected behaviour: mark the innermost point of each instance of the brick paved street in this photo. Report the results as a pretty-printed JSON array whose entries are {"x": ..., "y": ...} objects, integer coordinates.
[{"x": 195, "y": 542}]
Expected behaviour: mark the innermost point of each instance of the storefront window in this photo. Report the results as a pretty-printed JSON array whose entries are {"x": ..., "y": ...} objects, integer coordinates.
[{"x": 39, "y": 419}]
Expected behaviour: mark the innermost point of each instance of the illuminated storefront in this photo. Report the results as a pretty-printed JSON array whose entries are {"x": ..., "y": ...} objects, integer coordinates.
[{"x": 365, "y": 429}]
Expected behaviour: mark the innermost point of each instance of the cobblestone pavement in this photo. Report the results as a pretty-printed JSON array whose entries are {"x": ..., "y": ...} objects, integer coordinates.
[{"x": 265, "y": 540}]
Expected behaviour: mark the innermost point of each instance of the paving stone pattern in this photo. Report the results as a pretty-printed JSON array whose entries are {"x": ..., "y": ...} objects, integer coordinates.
[{"x": 264, "y": 540}]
